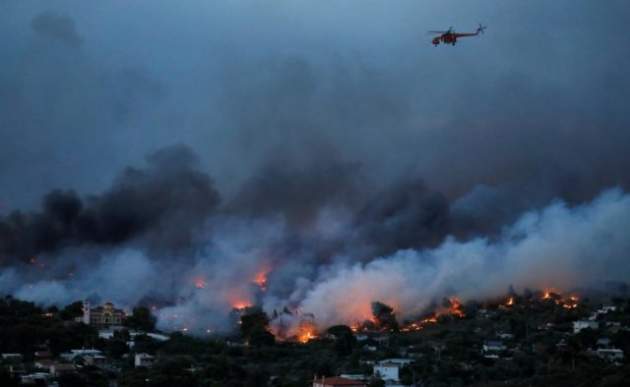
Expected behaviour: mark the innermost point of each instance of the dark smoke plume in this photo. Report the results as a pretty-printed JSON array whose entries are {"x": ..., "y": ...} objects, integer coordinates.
[
  {"x": 58, "y": 27},
  {"x": 163, "y": 202}
]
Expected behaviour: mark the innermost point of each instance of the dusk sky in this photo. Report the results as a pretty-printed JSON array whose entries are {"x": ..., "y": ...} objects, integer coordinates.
[{"x": 87, "y": 88}]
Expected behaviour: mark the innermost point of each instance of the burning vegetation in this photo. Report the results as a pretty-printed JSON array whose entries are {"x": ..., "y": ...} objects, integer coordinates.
[{"x": 451, "y": 308}]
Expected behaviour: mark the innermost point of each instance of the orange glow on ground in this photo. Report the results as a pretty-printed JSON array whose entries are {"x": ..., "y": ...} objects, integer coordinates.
[{"x": 307, "y": 331}]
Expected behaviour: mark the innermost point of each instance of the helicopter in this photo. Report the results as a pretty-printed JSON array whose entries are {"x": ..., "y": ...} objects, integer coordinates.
[{"x": 450, "y": 36}]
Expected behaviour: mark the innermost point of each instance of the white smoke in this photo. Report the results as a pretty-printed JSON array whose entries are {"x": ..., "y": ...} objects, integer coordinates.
[{"x": 558, "y": 247}]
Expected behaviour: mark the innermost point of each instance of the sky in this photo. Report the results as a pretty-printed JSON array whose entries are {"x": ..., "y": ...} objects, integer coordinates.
[
  {"x": 325, "y": 144},
  {"x": 245, "y": 81}
]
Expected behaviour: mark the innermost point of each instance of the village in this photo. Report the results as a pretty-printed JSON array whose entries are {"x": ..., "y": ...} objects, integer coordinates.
[{"x": 535, "y": 337}]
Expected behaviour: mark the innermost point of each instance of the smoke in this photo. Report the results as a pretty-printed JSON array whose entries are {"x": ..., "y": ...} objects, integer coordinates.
[
  {"x": 162, "y": 203},
  {"x": 58, "y": 27},
  {"x": 559, "y": 246},
  {"x": 333, "y": 257}
]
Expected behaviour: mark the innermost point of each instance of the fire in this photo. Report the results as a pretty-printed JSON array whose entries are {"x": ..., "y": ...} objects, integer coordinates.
[
  {"x": 200, "y": 283},
  {"x": 306, "y": 336},
  {"x": 307, "y": 331},
  {"x": 547, "y": 294},
  {"x": 571, "y": 302},
  {"x": 241, "y": 305},
  {"x": 455, "y": 308},
  {"x": 510, "y": 301},
  {"x": 261, "y": 279}
]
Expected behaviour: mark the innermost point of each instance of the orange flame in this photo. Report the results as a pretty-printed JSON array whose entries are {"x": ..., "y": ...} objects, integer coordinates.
[
  {"x": 510, "y": 301},
  {"x": 306, "y": 332},
  {"x": 455, "y": 308},
  {"x": 240, "y": 305},
  {"x": 200, "y": 283},
  {"x": 261, "y": 279}
]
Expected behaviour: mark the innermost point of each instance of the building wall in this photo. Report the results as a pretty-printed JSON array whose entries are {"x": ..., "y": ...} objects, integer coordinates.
[{"x": 387, "y": 372}]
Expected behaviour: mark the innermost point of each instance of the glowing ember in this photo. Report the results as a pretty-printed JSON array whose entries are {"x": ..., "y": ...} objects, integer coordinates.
[
  {"x": 571, "y": 302},
  {"x": 306, "y": 331},
  {"x": 200, "y": 283},
  {"x": 241, "y": 305},
  {"x": 455, "y": 309},
  {"x": 261, "y": 279}
]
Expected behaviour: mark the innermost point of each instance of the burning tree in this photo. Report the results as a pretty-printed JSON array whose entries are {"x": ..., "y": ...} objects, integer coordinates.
[{"x": 384, "y": 317}]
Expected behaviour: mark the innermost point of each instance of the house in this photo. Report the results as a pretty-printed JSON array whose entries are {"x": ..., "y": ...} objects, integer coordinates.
[
  {"x": 143, "y": 360},
  {"x": 12, "y": 357},
  {"x": 603, "y": 342},
  {"x": 387, "y": 371},
  {"x": 610, "y": 354},
  {"x": 95, "y": 360},
  {"x": 43, "y": 364},
  {"x": 102, "y": 316},
  {"x": 45, "y": 354},
  {"x": 76, "y": 353},
  {"x": 37, "y": 377},
  {"x": 606, "y": 308},
  {"x": 337, "y": 381},
  {"x": 492, "y": 348},
  {"x": 58, "y": 369},
  {"x": 584, "y": 324},
  {"x": 398, "y": 360}
]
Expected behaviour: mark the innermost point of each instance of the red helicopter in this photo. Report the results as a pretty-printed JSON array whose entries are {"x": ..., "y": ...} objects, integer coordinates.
[{"x": 450, "y": 37}]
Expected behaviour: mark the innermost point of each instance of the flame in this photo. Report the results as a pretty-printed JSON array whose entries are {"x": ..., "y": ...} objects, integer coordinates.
[
  {"x": 200, "y": 283},
  {"x": 306, "y": 331},
  {"x": 547, "y": 294},
  {"x": 241, "y": 305},
  {"x": 455, "y": 309},
  {"x": 570, "y": 303},
  {"x": 510, "y": 301},
  {"x": 306, "y": 336},
  {"x": 261, "y": 279}
]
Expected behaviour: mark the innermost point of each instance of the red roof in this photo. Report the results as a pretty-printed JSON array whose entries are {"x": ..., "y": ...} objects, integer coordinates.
[{"x": 337, "y": 381}]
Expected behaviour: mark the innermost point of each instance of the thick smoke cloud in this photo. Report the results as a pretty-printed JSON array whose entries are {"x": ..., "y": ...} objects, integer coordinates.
[
  {"x": 367, "y": 159},
  {"x": 163, "y": 202},
  {"x": 57, "y": 27},
  {"x": 558, "y": 247}
]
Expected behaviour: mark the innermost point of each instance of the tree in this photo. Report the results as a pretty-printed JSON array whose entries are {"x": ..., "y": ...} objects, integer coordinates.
[
  {"x": 72, "y": 311},
  {"x": 384, "y": 316},
  {"x": 141, "y": 319},
  {"x": 254, "y": 327},
  {"x": 344, "y": 339}
]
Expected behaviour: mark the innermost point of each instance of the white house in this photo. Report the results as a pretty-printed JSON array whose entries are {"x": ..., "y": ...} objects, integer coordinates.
[
  {"x": 492, "y": 348},
  {"x": 12, "y": 357},
  {"x": 387, "y": 371},
  {"x": 74, "y": 353},
  {"x": 143, "y": 360},
  {"x": 610, "y": 354},
  {"x": 398, "y": 360},
  {"x": 583, "y": 324}
]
